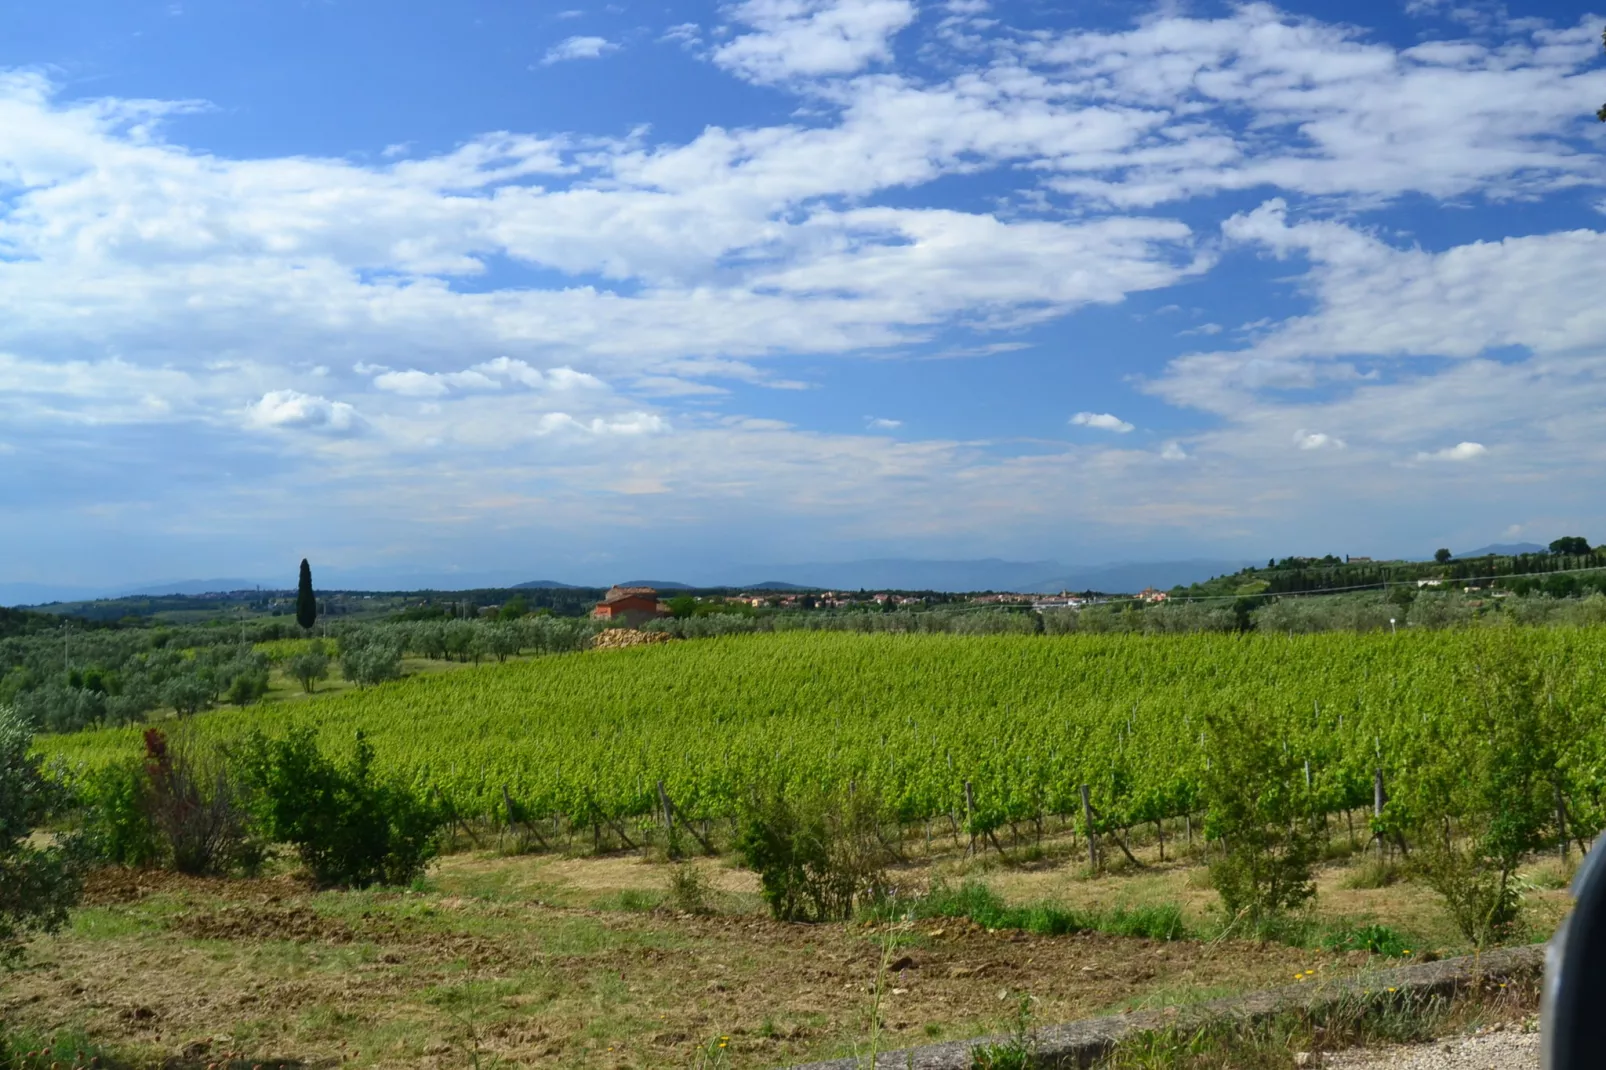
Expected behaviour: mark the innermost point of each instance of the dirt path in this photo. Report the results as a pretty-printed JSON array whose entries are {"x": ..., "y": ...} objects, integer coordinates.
[{"x": 1509, "y": 1050}]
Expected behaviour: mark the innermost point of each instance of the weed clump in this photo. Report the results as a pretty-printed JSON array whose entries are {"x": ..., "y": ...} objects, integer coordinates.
[{"x": 689, "y": 891}]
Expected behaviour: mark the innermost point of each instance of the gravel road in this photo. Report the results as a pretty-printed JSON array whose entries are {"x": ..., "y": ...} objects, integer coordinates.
[{"x": 1489, "y": 1051}]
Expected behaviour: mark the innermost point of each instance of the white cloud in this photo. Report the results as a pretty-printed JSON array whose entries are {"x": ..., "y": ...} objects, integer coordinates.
[
  {"x": 1326, "y": 111},
  {"x": 1102, "y": 421},
  {"x": 633, "y": 423},
  {"x": 1464, "y": 451},
  {"x": 686, "y": 34},
  {"x": 1173, "y": 451},
  {"x": 1316, "y": 440},
  {"x": 879, "y": 423},
  {"x": 810, "y": 38},
  {"x": 292, "y": 409},
  {"x": 489, "y": 375},
  {"x": 578, "y": 47}
]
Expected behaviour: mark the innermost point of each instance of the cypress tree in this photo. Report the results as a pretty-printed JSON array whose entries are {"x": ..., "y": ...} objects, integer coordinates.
[{"x": 306, "y": 602}]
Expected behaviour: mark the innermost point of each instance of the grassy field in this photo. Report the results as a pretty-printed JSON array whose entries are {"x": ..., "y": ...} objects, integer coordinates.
[{"x": 583, "y": 961}]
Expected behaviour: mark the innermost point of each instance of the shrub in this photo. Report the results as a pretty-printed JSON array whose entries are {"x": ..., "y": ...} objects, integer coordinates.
[
  {"x": 119, "y": 828},
  {"x": 1262, "y": 812},
  {"x": 1483, "y": 792},
  {"x": 817, "y": 855},
  {"x": 38, "y": 884},
  {"x": 196, "y": 808},
  {"x": 247, "y": 682},
  {"x": 351, "y": 827},
  {"x": 178, "y": 809}
]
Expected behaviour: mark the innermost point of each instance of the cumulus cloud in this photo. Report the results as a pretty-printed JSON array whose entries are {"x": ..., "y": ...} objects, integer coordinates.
[
  {"x": 578, "y": 47},
  {"x": 632, "y": 423},
  {"x": 295, "y": 410},
  {"x": 1173, "y": 451},
  {"x": 1101, "y": 421},
  {"x": 1462, "y": 451},
  {"x": 809, "y": 38},
  {"x": 489, "y": 375},
  {"x": 1316, "y": 440},
  {"x": 878, "y": 423}
]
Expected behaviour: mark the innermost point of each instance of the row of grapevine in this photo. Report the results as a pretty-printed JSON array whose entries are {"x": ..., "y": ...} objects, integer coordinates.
[{"x": 1025, "y": 720}]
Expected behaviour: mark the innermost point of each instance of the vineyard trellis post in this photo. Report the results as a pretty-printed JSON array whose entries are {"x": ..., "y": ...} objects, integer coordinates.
[
  {"x": 1092, "y": 836},
  {"x": 512, "y": 818},
  {"x": 970, "y": 819},
  {"x": 669, "y": 822},
  {"x": 671, "y": 811}
]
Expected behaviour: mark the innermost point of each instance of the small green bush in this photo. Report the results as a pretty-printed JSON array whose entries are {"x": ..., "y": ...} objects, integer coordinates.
[
  {"x": 351, "y": 827},
  {"x": 119, "y": 828},
  {"x": 818, "y": 855},
  {"x": 1261, "y": 811}
]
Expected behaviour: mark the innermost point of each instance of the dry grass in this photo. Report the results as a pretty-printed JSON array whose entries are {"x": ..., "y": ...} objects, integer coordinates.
[{"x": 546, "y": 960}]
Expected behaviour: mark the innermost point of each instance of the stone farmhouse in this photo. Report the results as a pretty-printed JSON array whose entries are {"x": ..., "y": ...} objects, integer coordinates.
[{"x": 630, "y": 607}]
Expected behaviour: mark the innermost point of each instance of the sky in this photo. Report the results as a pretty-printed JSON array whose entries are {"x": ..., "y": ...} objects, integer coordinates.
[{"x": 668, "y": 288}]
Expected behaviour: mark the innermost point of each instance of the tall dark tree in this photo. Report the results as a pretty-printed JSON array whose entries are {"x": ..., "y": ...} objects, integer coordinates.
[{"x": 306, "y": 601}]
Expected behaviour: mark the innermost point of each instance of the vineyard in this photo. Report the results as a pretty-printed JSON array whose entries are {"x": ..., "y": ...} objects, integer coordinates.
[{"x": 966, "y": 732}]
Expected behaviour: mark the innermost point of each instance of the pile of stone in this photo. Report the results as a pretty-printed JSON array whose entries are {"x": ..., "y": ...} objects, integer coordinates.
[{"x": 618, "y": 638}]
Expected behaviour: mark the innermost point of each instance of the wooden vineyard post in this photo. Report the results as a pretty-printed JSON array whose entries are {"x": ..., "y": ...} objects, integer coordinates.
[
  {"x": 1377, "y": 811},
  {"x": 1092, "y": 837},
  {"x": 512, "y": 819},
  {"x": 970, "y": 819},
  {"x": 669, "y": 822},
  {"x": 670, "y": 813},
  {"x": 1159, "y": 832}
]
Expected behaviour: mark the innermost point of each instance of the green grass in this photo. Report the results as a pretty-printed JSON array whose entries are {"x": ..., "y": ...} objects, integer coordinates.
[
  {"x": 981, "y": 905},
  {"x": 21, "y": 1050}
]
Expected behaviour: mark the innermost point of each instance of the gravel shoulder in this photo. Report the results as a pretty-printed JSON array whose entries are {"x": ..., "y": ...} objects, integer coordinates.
[{"x": 1506, "y": 1050}]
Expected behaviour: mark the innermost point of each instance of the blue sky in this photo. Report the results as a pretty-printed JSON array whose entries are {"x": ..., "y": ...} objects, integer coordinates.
[{"x": 658, "y": 289}]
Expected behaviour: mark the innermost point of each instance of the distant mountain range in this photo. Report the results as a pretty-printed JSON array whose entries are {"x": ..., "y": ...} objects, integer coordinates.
[
  {"x": 896, "y": 573},
  {"x": 1506, "y": 549},
  {"x": 991, "y": 574}
]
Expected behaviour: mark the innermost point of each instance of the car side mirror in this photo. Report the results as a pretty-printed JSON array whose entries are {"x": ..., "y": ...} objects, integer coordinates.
[{"x": 1572, "y": 1017}]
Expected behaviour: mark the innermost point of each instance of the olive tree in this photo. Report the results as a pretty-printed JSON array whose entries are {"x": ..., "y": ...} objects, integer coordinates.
[{"x": 38, "y": 883}]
